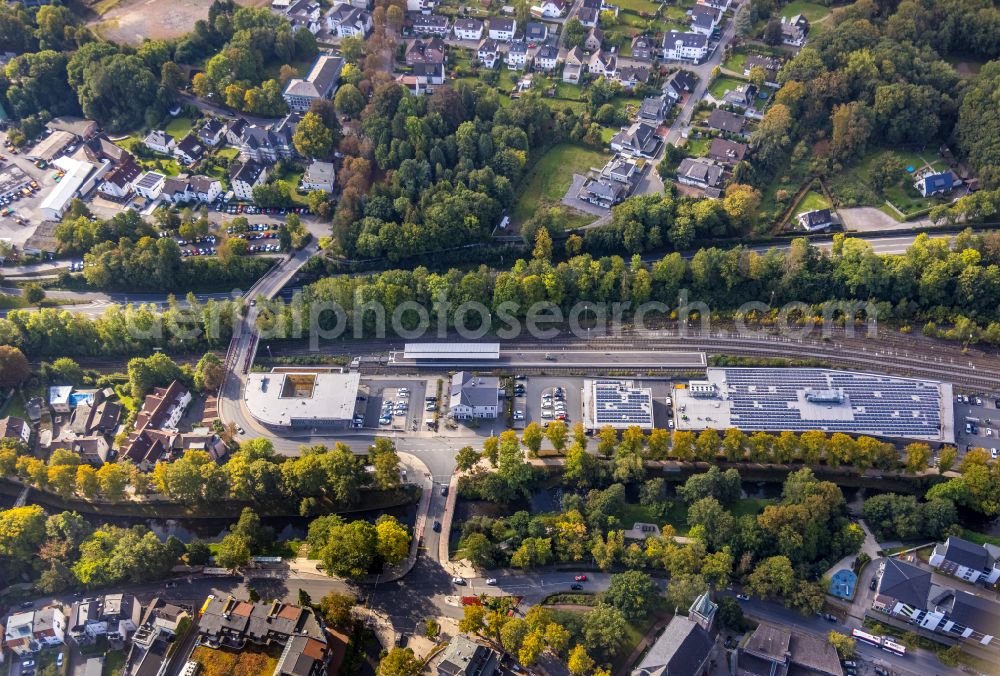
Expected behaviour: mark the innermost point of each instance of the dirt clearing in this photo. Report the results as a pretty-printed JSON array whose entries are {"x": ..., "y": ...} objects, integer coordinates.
[{"x": 132, "y": 21}]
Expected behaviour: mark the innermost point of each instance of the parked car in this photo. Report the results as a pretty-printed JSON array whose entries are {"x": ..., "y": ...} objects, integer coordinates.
[
  {"x": 580, "y": 578},
  {"x": 59, "y": 660},
  {"x": 743, "y": 597},
  {"x": 457, "y": 580},
  {"x": 437, "y": 526},
  {"x": 576, "y": 586},
  {"x": 444, "y": 491},
  {"x": 491, "y": 581}
]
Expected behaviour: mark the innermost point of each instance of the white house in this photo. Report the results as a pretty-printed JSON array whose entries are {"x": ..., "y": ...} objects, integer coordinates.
[
  {"x": 59, "y": 398},
  {"x": 603, "y": 63},
  {"x": 212, "y": 132},
  {"x": 704, "y": 19},
  {"x": 468, "y": 29},
  {"x": 721, "y": 5},
  {"x": 150, "y": 184},
  {"x": 33, "y": 630},
  {"x": 817, "y": 219},
  {"x": 502, "y": 28},
  {"x": 160, "y": 141},
  {"x": 305, "y": 14},
  {"x": 573, "y": 68},
  {"x": 935, "y": 183},
  {"x": 684, "y": 46},
  {"x": 189, "y": 149},
  {"x": 967, "y": 560},
  {"x": 488, "y": 53},
  {"x": 180, "y": 189},
  {"x": 549, "y": 9},
  {"x": 547, "y": 58},
  {"x": 14, "y": 428},
  {"x": 118, "y": 182},
  {"x": 517, "y": 56},
  {"x": 699, "y": 172},
  {"x": 794, "y": 30},
  {"x": 347, "y": 21},
  {"x": 113, "y": 615},
  {"x": 319, "y": 176},
  {"x": 422, "y": 6},
  {"x": 474, "y": 396},
  {"x": 247, "y": 176}
]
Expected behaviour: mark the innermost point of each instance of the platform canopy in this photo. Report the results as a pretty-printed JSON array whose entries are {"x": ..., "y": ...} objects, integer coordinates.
[{"x": 452, "y": 351}]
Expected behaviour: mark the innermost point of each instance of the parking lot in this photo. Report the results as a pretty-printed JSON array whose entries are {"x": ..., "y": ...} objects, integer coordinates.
[
  {"x": 535, "y": 387},
  {"x": 977, "y": 422},
  {"x": 381, "y": 391}
]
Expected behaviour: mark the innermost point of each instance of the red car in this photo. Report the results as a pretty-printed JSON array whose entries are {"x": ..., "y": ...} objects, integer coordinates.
[{"x": 580, "y": 578}]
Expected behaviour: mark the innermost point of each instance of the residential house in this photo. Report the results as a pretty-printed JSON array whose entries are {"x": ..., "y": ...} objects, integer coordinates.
[
  {"x": 654, "y": 109},
  {"x": 156, "y": 425},
  {"x": 59, "y": 398},
  {"x": 603, "y": 64},
  {"x": 234, "y": 130},
  {"x": 536, "y": 31},
  {"x": 548, "y": 9},
  {"x": 320, "y": 83},
  {"x": 347, "y": 21},
  {"x": 594, "y": 39},
  {"x": 621, "y": 169},
  {"x": 15, "y": 428},
  {"x": 189, "y": 149},
  {"x": 305, "y": 15},
  {"x": 233, "y": 624},
  {"x": 100, "y": 149},
  {"x": 680, "y": 83},
  {"x": 684, "y": 646},
  {"x": 428, "y": 24},
  {"x": 547, "y": 58},
  {"x": 642, "y": 48},
  {"x": 818, "y": 219},
  {"x": 488, "y": 53},
  {"x": 726, "y": 152},
  {"x": 721, "y": 5},
  {"x": 723, "y": 120},
  {"x": 183, "y": 189},
  {"x": 517, "y": 56},
  {"x": 632, "y": 76},
  {"x": 93, "y": 450},
  {"x": 776, "y": 650},
  {"x": 159, "y": 618},
  {"x": 743, "y": 96},
  {"x": 115, "y": 616},
  {"x": 589, "y": 16},
  {"x": 319, "y": 176},
  {"x": 465, "y": 657},
  {"x": 967, "y": 560},
  {"x": 684, "y": 46},
  {"x": 770, "y": 64},
  {"x": 930, "y": 184},
  {"x": 502, "y": 28},
  {"x": 245, "y": 176},
  {"x": 149, "y": 185},
  {"x": 425, "y": 51},
  {"x": 118, "y": 182},
  {"x": 97, "y": 415},
  {"x": 794, "y": 30},
  {"x": 468, "y": 29},
  {"x": 603, "y": 192},
  {"x": 909, "y": 594},
  {"x": 160, "y": 141},
  {"x": 573, "y": 68},
  {"x": 704, "y": 19},
  {"x": 639, "y": 140},
  {"x": 699, "y": 172},
  {"x": 268, "y": 145},
  {"x": 473, "y": 396},
  {"x": 421, "y": 6},
  {"x": 212, "y": 133},
  {"x": 28, "y": 632}
]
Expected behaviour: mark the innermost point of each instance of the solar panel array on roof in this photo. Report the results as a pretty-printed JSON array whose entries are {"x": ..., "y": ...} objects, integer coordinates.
[
  {"x": 618, "y": 404},
  {"x": 785, "y": 399}
]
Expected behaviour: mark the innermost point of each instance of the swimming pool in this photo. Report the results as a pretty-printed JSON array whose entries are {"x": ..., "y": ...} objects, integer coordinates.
[{"x": 78, "y": 398}]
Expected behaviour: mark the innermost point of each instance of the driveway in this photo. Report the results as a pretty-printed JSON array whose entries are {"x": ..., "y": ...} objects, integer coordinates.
[
  {"x": 870, "y": 219},
  {"x": 571, "y": 199}
]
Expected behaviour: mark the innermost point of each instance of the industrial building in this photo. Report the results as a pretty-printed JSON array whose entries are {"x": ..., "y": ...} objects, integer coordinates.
[
  {"x": 618, "y": 404},
  {"x": 803, "y": 399},
  {"x": 291, "y": 398}
]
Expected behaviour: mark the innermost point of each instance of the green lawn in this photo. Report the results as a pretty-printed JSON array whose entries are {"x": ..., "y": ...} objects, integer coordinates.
[
  {"x": 550, "y": 177},
  {"x": 698, "y": 147},
  {"x": 113, "y": 663},
  {"x": 980, "y": 538},
  {"x": 228, "y": 152},
  {"x": 639, "y": 6},
  {"x": 811, "y": 201},
  {"x": 810, "y": 10},
  {"x": 737, "y": 61},
  {"x": 565, "y": 90},
  {"x": 723, "y": 84},
  {"x": 179, "y": 127}
]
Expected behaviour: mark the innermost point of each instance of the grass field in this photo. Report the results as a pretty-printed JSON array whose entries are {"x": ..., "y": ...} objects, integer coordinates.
[
  {"x": 550, "y": 178},
  {"x": 639, "y": 6},
  {"x": 723, "y": 84},
  {"x": 737, "y": 61},
  {"x": 810, "y": 10},
  {"x": 902, "y": 195},
  {"x": 811, "y": 201},
  {"x": 698, "y": 147},
  {"x": 228, "y": 152},
  {"x": 114, "y": 660},
  {"x": 179, "y": 127}
]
